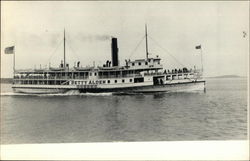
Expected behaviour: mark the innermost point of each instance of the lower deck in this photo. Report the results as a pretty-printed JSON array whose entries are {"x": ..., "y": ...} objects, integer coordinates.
[{"x": 140, "y": 88}]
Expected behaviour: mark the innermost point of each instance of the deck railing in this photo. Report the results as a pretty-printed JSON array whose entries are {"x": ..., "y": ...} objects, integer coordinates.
[
  {"x": 118, "y": 76},
  {"x": 48, "y": 77},
  {"x": 72, "y": 77}
]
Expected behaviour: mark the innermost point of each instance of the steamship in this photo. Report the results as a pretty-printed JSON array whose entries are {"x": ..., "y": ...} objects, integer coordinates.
[{"x": 137, "y": 76}]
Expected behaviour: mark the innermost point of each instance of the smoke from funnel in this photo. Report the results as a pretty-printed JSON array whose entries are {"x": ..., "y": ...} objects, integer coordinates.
[{"x": 91, "y": 38}]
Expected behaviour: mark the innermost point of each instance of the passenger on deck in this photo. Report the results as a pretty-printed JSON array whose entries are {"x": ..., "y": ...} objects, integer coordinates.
[
  {"x": 184, "y": 70},
  {"x": 161, "y": 81}
]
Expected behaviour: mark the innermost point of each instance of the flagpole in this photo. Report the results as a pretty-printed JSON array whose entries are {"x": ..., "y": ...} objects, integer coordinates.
[
  {"x": 14, "y": 63},
  {"x": 64, "y": 57},
  {"x": 201, "y": 62}
]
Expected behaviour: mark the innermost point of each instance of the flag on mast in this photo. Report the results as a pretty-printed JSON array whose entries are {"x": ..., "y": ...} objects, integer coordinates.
[
  {"x": 9, "y": 50},
  {"x": 244, "y": 34},
  {"x": 198, "y": 47}
]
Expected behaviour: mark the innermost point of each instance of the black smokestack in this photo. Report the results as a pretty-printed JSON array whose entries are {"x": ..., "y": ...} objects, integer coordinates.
[{"x": 114, "y": 49}]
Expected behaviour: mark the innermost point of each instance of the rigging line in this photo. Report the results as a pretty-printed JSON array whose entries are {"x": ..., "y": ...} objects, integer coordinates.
[
  {"x": 136, "y": 47},
  {"x": 74, "y": 52},
  {"x": 54, "y": 50},
  {"x": 167, "y": 51}
]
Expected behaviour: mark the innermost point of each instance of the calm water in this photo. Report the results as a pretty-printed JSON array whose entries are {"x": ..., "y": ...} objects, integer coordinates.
[{"x": 218, "y": 114}]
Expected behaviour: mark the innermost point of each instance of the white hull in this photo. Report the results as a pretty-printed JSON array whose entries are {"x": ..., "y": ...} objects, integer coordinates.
[
  {"x": 177, "y": 87},
  {"x": 39, "y": 90},
  {"x": 173, "y": 87}
]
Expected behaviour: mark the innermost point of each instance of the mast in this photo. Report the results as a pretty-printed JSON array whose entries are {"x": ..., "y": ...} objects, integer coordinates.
[
  {"x": 146, "y": 34},
  {"x": 64, "y": 59}
]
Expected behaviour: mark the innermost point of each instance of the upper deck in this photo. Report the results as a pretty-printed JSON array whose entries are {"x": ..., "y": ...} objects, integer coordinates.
[
  {"x": 150, "y": 63},
  {"x": 131, "y": 69}
]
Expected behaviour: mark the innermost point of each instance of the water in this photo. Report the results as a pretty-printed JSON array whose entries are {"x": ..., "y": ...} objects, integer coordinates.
[{"x": 218, "y": 114}]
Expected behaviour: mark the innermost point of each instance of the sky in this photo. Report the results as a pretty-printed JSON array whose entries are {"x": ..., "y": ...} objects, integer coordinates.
[{"x": 174, "y": 29}]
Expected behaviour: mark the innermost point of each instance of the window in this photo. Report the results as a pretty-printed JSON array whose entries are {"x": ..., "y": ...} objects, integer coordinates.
[
  {"x": 108, "y": 81},
  {"x": 133, "y": 64},
  {"x": 123, "y": 81},
  {"x": 138, "y": 80},
  {"x": 104, "y": 81},
  {"x": 130, "y": 80},
  {"x": 139, "y": 63},
  {"x": 146, "y": 63},
  {"x": 95, "y": 74},
  {"x": 115, "y": 81}
]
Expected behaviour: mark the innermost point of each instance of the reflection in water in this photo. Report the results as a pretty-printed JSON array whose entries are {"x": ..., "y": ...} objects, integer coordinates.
[
  {"x": 115, "y": 121},
  {"x": 218, "y": 114}
]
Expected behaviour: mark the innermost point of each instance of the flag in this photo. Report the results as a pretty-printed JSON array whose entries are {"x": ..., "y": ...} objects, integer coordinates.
[
  {"x": 244, "y": 34},
  {"x": 198, "y": 47},
  {"x": 9, "y": 50}
]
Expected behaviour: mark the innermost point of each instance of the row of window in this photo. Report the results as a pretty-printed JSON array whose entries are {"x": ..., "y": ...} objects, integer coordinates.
[
  {"x": 133, "y": 64},
  {"x": 42, "y": 82},
  {"x": 123, "y": 81},
  {"x": 139, "y": 63},
  {"x": 90, "y": 74},
  {"x": 115, "y": 81},
  {"x": 98, "y": 82}
]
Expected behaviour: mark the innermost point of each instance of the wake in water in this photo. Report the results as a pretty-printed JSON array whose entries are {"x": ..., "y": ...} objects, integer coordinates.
[
  {"x": 77, "y": 93},
  {"x": 15, "y": 94}
]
